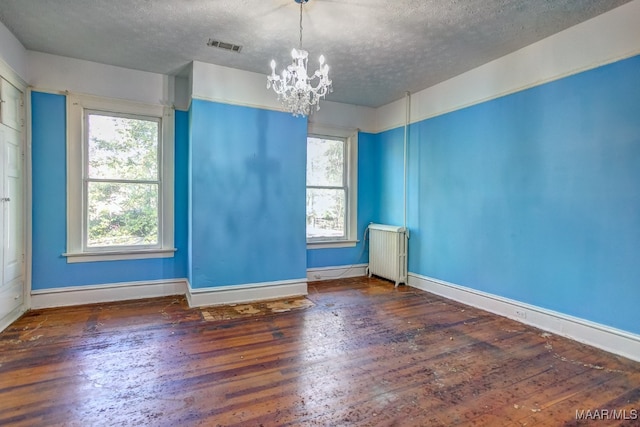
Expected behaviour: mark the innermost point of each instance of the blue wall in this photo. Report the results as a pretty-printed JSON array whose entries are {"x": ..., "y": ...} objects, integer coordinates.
[
  {"x": 248, "y": 195},
  {"x": 49, "y": 200},
  {"x": 534, "y": 196},
  {"x": 390, "y": 181}
]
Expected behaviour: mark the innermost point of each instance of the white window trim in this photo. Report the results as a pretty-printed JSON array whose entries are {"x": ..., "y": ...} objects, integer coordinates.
[
  {"x": 76, "y": 104},
  {"x": 351, "y": 140}
]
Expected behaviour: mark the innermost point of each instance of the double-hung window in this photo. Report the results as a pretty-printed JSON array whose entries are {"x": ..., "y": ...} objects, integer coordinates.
[
  {"x": 119, "y": 180},
  {"x": 331, "y": 188}
]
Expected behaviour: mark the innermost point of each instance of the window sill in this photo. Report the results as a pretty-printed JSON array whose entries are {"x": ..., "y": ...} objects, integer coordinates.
[
  {"x": 332, "y": 244},
  {"x": 118, "y": 255}
]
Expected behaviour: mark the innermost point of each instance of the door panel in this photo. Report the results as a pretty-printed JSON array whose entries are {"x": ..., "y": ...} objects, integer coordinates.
[
  {"x": 10, "y": 105},
  {"x": 13, "y": 218},
  {"x": 11, "y": 297}
]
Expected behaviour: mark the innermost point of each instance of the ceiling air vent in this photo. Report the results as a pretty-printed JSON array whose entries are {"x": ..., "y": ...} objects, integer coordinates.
[{"x": 224, "y": 45}]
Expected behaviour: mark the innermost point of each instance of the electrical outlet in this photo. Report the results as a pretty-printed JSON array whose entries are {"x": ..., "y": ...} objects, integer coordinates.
[{"x": 521, "y": 314}]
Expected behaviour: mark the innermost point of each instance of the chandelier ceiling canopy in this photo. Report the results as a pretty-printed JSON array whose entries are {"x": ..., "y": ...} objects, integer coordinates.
[{"x": 298, "y": 92}]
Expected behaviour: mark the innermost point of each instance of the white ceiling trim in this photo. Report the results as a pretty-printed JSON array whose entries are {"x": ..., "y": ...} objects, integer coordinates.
[{"x": 604, "y": 39}]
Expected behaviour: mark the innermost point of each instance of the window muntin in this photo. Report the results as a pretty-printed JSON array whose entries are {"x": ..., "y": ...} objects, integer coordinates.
[{"x": 327, "y": 188}]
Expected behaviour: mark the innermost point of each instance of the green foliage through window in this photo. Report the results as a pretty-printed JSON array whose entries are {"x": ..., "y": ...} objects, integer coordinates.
[
  {"x": 326, "y": 188},
  {"x": 122, "y": 180}
]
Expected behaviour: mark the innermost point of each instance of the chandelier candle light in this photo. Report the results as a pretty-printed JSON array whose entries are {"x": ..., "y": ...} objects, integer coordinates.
[{"x": 294, "y": 87}]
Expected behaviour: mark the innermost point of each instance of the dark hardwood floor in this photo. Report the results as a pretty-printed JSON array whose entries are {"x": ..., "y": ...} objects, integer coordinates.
[{"x": 364, "y": 354}]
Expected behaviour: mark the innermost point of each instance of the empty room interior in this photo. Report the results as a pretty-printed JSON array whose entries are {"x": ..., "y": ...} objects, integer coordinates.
[{"x": 320, "y": 212}]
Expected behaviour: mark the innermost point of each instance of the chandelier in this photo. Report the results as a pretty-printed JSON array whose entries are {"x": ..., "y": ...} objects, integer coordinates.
[{"x": 298, "y": 92}]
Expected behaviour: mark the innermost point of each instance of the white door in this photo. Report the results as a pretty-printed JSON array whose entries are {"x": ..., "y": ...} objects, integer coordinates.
[{"x": 11, "y": 204}]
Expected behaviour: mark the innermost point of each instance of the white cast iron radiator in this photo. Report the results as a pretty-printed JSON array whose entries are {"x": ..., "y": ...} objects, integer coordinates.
[{"x": 388, "y": 252}]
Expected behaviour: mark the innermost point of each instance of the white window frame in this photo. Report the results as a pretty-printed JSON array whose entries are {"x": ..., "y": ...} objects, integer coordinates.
[
  {"x": 77, "y": 250},
  {"x": 350, "y": 137}
]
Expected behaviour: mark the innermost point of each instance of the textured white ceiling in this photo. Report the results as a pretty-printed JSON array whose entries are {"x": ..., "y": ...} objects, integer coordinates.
[{"x": 377, "y": 49}]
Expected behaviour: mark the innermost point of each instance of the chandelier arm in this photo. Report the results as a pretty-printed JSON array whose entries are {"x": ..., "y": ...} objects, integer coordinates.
[{"x": 318, "y": 86}]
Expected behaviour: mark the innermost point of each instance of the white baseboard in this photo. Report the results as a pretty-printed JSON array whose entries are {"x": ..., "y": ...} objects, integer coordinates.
[
  {"x": 336, "y": 272},
  {"x": 610, "y": 339},
  {"x": 200, "y": 297},
  {"x": 76, "y": 295}
]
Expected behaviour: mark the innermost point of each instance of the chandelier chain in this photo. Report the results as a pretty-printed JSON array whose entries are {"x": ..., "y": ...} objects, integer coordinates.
[{"x": 301, "y": 24}]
